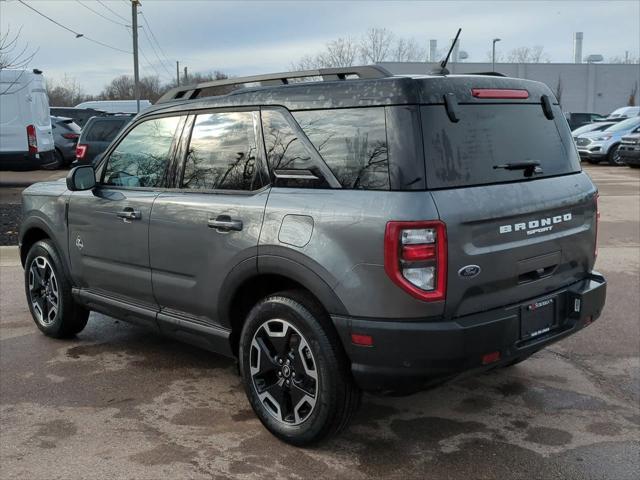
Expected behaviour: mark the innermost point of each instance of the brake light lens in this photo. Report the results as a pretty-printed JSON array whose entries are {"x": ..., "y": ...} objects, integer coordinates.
[
  {"x": 71, "y": 136},
  {"x": 415, "y": 258},
  {"x": 32, "y": 139},
  {"x": 81, "y": 151},
  {"x": 502, "y": 93}
]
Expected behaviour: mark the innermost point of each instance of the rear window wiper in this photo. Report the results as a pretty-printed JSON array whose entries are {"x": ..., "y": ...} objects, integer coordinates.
[{"x": 529, "y": 167}]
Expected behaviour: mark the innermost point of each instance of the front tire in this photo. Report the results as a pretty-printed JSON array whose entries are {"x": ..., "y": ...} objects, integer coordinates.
[
  {"x": 295, "y": 372},
  {"x": 48, "y": 292},
  {"x": 614, "y": 158}
]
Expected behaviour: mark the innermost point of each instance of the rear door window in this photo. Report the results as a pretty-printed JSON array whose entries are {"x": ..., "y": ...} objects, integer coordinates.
[
  {"x": 103, "y": 130},
  {"x": 352, "y": 142},
  {"x": 486, "y": 136}
]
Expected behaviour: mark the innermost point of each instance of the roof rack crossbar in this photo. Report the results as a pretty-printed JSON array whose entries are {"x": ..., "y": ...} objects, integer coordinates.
[{"x": 188, "y": 92}]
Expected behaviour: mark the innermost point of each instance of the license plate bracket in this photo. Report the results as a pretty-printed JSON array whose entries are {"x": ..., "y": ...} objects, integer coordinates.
[{"x": 538, "y": 318}]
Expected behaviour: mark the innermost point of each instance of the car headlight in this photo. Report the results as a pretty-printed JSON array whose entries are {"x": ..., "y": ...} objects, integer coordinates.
[{"x": 603, "y": 138}]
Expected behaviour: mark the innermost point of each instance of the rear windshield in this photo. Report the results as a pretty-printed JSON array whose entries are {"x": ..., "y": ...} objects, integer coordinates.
[
  {"x": 465, "y": 153},
  {"x": 104, "y": 130}
]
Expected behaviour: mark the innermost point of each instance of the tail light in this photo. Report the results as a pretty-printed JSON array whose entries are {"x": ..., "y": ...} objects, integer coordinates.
[
  {"x": 597, "y": 221},
  {"x": 81, "y": 151},
  {"x": 32, "y": 139},
  {"x": 502, "y": 93},
  {"x": 415, "y": 258},
  {"x": 71, "y": 136}
]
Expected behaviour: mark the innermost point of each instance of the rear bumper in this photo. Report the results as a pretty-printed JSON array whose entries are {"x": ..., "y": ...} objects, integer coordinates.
[
  {"x": 408, "y": 356},
  {"x": 25, "y": 161},
  {"x": 631, "y": 157}
]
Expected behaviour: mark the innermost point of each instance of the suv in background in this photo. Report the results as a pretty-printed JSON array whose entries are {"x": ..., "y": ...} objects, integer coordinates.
[
  {"x": 79, "y": 115},
  {"x": 598, "y": 146},
  {"x": 96, "y": 136},
  {"x": 623, "y": 112},
  {"x": 591, "y": 127},
  {"x": 65, "y": 136},
  {"x": 630, "y": 150},
  {"x": 577, "y": 120},
  {"x": 336, "y": 235}
]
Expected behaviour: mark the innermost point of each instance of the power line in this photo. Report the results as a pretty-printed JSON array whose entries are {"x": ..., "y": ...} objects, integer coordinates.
[
  {"x": 144, "y": 18},
  {"x": 77, "y": 34},
  {"x": 101, "y": 15},
  {"x": 144, "y": 30},
  {"x": 112, "y": 11}
]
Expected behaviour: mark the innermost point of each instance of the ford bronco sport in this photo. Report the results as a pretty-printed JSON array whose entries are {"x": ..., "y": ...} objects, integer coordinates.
[{"x": 335, "y": 230}]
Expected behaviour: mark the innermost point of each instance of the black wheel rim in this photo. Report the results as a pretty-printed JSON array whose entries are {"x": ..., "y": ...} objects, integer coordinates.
[
  {"x": 283, "y": 372},
  {"x": 43, "y": 291},
  {"x": 616, "y": 157}
]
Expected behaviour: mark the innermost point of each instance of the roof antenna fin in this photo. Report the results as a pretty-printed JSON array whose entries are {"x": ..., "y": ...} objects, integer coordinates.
[{"x": 443, "y": 64}]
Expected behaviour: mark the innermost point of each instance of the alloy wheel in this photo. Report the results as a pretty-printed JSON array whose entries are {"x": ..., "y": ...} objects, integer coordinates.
[
  {"x": 43, "y": 291},
  {"x": 283, "y": 372}
]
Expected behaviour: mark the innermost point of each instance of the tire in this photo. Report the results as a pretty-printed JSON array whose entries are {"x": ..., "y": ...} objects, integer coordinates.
[
  {"x": 633, "y": 165},
  {"x": 593, "y": 161},
  {"x": 614, "y": 158},
  {"x": 58, "y": 161},
  {"x": 295, "y": 372},
  {"x": 48, "y": 292}
]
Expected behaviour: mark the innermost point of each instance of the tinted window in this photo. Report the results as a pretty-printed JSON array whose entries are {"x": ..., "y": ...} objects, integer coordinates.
[
  {"x": 285, "y": 151},
  {"x": 222, "y": 152},
  {"x": 103, "y": 130},
  {"x": 141, "y": 158},
  {"x": 353, "y": 143},
  {"x": 465, "y": 153}
]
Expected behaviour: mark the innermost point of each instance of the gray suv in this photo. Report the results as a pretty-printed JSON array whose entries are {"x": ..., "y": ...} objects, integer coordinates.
[{"x": 336, "y": 231}]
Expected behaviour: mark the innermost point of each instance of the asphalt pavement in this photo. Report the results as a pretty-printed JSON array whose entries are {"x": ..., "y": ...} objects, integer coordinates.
[{"x": 119, "y": 402}]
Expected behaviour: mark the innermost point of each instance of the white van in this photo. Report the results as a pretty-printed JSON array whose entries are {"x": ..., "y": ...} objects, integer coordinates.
[
  {"x": 115, "y": 106},
  {"x": 26, "y": 138}
]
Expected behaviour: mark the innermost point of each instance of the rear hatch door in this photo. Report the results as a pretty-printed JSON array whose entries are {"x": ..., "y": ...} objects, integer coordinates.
[{"x": 513, "y": 235}]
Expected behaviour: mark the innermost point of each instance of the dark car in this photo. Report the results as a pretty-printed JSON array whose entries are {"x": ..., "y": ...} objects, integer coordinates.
[
  {"x": 79, "y": 115},
  {"x": 96, "y": 136},
  {"x": 358, "y": 231},
  {"x": 65, "y": 136},
  {"x": 629, "y": 150},
  {"x": 577, "y": 120}
]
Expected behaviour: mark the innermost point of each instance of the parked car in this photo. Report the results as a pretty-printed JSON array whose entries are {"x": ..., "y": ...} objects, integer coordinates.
[
  {"x": 577, "y": 120},
  {"x": 115, "y": 106},
  {"x": 79, "y": 115},
  {"x": 65, "y": 136},
  {"x": 97, "y": 135},
  {"x": 336, "y": 235},
  {"x": 592, "y": 127},
  {"x": 623, "y": 113},
  {"x": 26, "y": 139},
  {"x": 598, "y": 146},
  {"x": 630, "y": 150}
]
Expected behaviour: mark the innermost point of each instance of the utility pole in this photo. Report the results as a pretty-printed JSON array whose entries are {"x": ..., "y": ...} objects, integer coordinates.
[
  {"x": 185, "y": 78},
  {"x": 134, "y": 24},
  {"x": 177, "y": 73}
]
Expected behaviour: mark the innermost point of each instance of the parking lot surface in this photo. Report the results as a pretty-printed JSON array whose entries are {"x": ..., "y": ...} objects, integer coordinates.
[{"x": 119, "y": 402}]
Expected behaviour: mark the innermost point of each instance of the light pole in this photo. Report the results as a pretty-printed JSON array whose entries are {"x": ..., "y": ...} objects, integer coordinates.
[
  {"x": 493, "y": 54},
  {"x": 134, "y": 24}
]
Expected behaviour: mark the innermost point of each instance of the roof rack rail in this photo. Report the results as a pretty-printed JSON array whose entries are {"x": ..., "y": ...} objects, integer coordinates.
[
  {"x": 491, "y": 74},
  {"x": 188, "y": 92}
]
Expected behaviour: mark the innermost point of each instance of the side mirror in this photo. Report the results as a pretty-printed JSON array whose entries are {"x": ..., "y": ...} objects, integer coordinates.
[{"x": 81, "y": 178}]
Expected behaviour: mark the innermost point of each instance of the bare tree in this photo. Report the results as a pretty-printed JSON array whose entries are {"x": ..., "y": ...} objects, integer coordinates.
[
  {"x": 376, "y": 44},
  {"x": 408, "y": 50},
  {"x": 558, "y": 91},
  {"x": 342, "y": 52},
  {"x": 632, "y": 96},
  {"x": 66, "y": 93},
  {"x": 533, "y": 54},
  {"x": 11, "y": 54},
  {"x": 631, "y": 59}
]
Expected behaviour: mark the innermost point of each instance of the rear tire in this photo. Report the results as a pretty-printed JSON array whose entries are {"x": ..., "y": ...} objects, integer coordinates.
[
  {"x": 614, "y": 158},
  {"x": 48, "y": 292},
  {"x": 58, "y": 161},
  {"x": 295, "y": 372}
]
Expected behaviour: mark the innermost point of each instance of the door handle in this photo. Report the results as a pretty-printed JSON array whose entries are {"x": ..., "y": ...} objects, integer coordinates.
[
  {"x": 128, "y": 214},
  {"x": 224, "y": 223}
]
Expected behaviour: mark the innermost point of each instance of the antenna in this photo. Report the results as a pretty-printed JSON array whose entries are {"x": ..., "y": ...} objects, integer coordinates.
[{"x": 443, "y": 64}]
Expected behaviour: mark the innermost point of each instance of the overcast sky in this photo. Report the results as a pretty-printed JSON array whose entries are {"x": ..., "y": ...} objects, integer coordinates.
[{"x": 260, "y": 37}]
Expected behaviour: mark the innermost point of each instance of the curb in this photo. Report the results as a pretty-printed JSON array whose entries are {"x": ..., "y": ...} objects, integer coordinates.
[{"x": 9, "y": 256}]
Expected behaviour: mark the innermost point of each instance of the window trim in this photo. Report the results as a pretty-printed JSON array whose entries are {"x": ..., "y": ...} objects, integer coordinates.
[
  {"x": 185, "y": 140},
  {"x": 101, "y": 169},
  {"x": 316, "y": 158}
]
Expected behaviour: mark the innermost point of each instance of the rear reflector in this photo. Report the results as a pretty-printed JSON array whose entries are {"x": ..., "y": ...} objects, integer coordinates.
[
  {"x": 32, "y": 139},
  {"x": 492, "y": 357},
  {"x": 362, "y": 340},
  {"x": 502, "y": 93},
  {"x": 414, "y": 253}
]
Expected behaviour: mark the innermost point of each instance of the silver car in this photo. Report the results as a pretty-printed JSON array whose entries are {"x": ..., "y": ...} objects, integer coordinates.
[{"x": 595, "y": 147}]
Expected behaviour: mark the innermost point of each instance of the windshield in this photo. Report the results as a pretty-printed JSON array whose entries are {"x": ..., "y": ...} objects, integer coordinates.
[
  {"x": 624, "y": 125},
  {"x": 492, "y": 135},
  {"x": 591, "y": 128}
]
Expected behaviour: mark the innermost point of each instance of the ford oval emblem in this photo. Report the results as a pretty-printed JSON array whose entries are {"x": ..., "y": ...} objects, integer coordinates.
[{"x": 469, "y": 271}]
